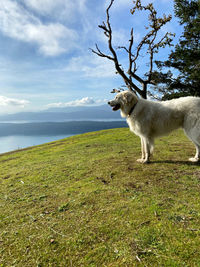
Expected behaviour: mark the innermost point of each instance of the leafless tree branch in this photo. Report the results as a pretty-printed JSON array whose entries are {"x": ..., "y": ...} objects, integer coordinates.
[{"x": 149, "y": 41}]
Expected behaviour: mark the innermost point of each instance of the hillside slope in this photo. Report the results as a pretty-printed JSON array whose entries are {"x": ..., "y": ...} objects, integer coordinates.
[{"x": 85, "y": 201}]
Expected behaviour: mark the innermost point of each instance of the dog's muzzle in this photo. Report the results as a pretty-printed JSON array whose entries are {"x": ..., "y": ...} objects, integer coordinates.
[{"x": 114, "y": 106}]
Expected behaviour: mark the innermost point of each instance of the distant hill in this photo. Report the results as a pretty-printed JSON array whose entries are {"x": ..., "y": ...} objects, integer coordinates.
[{"x": 103, "y": 112}]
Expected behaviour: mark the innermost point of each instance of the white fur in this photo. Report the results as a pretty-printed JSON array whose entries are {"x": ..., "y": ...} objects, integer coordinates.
[{"x": 151, "y": 119}]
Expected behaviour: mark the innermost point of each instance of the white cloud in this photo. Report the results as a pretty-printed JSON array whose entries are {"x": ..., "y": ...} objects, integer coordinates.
[
  {"x": 86, "y": 101},
  {"x": 6, "y": 101},
  {"x": 91, "y": 66},
  {"x": 52, "y": 39},
  {"x": 42, "y": 7},
  {"x": 66, "y": 10}
]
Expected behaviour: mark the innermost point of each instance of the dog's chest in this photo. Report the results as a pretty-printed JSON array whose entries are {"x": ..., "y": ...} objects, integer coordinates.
[{"x": 134, "y": 126}]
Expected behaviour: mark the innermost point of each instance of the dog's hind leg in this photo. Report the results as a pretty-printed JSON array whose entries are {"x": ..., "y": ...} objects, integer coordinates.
[
  {"x": 197, "y": 155},
  {"x": 151, "y": 145},
  {"x": 194, "y": 135}
]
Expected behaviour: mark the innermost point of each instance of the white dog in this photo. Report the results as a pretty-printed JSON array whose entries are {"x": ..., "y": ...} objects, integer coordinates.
[{"x": 150, "y": 119}]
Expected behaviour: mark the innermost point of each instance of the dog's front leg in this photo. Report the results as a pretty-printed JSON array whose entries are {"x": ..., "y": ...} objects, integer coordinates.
[
  {"x": 142, "y": 150},
  {"x": 145, "y": 151}
]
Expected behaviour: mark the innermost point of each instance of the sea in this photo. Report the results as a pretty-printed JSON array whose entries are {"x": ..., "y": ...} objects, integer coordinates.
[
  {"x": 16, "y": 142},
  {"x": 12, "y": 137}
]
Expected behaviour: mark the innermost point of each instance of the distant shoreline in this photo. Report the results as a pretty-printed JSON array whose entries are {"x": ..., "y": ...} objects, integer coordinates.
[
  {"x": 57, "y": 128},
  {"x": 63, "y": 121}
]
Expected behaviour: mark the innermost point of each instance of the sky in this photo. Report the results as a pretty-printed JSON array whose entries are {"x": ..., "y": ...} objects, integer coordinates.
[{"x": 45, "y": 56}]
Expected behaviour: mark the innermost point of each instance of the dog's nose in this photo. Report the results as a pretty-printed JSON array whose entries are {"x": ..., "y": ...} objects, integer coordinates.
[{"x": 108, "y": 102}]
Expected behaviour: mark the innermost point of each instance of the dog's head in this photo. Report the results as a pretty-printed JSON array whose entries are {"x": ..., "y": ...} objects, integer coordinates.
[{"x": 124, "y": 101}]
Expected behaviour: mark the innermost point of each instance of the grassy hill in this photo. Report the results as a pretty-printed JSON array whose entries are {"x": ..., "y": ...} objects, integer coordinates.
[{"x": 85, "y": 201}]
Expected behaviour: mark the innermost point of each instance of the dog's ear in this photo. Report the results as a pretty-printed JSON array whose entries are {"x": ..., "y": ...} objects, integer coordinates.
[{"x": 128, "y": 97}]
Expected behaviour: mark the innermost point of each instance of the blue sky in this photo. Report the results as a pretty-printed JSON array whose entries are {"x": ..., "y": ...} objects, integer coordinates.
[{"x": 45, "y": 59}]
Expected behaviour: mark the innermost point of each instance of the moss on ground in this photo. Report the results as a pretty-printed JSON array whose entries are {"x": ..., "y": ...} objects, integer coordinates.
[{"x": 85, "y": 201}]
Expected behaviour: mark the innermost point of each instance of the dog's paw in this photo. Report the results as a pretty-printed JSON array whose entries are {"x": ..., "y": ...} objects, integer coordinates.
[
  {"x": 194, "y": 159},
  {"x": 140, "y": 160},
  {"x": 144, "y": 161}
]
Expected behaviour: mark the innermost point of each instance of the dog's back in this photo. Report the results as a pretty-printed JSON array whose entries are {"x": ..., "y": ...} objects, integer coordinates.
[
  {"x": 187, "y": 104},
  {"x": 155, "y": 119}
]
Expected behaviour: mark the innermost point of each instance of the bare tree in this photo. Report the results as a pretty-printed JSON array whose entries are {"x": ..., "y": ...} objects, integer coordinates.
[{"x": 150, "y": 42}]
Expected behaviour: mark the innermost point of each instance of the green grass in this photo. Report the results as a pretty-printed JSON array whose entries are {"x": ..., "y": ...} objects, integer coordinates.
[{"x": 85, "y": 201}]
